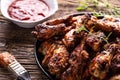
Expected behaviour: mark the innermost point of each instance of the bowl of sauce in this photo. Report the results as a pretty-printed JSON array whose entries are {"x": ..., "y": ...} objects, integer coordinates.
[{"x": 28, "y": 13}]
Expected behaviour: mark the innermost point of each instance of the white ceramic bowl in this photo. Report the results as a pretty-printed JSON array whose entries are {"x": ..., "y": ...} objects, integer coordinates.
[{"x": 53, "y": 5}]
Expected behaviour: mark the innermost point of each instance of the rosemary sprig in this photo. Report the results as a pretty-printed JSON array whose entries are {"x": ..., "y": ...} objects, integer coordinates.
[
  {"x": 106, "y": 39},
  {"x": 82, "y": 28},
  {"x": 109, "y": 35},
  {"x": 97, "y": 14},
  {"x": 102, "y": 38}
]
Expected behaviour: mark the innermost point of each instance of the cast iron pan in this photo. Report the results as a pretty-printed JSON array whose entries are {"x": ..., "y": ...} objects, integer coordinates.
[{"x": 39, "y": 57}]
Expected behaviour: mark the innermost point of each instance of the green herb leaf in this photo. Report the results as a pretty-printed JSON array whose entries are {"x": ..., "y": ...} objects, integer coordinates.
[
  {"x": 82, "y": 28},
  {"x": 80, "y": 8},
  {"x": 97, "y": 14},
  {"x": 109, "y": 35}
]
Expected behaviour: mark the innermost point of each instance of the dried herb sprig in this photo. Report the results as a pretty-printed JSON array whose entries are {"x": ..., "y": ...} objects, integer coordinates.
[{"x": 82, "y": 28}]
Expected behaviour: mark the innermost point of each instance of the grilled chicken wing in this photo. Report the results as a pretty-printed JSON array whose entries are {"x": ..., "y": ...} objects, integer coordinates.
[
  {"x": 71, "y": 39},
  {"x": 99, "y": 66},
  {"x": 53, "y": 27},
  {"x": 47, "y": 48},
  {"x": 80, "y": 20},
  {"x": 108, "y": 24},
  {"x": 58, "y": 26},
  {"x": 44, "y": 46},
  {"x": 95, "y": 40},
  {"x": 115, "y": 63},
  {"x": 59, "y": 60},
  {"x": 78, "y": 60},
  {"x": 65, "y": 19},
  {"x": 44, "y": 32}
]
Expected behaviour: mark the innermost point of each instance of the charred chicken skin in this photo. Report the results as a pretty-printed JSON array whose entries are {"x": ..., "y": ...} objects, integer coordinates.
[
  {"x": 72, "y": 37},
  {"x": 108, "y": 24},
  {"x": 99, "y": 66},
  {"x": 59, "y": 61},
  {"x": 78, "y": 60},
  {"x": 44, "y": 47},
  {"x": 44, "y": 32},
  {"x": 52, "y": 28},
  {"x": 57, "y": 27},
  {"x": 95, "y": 40},
  {"x": 69, "y": 39},
  {"x": 47, "y": 48},
  {"x": 115, "y": 63},
  {"x": 56, "y": 56}
]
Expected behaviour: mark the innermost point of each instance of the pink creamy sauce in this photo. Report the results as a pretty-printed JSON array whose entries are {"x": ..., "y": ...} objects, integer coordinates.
[{"x": 28, "y": 10}]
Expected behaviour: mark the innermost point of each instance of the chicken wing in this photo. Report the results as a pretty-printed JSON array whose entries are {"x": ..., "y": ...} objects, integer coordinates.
[
  {"x": 47, "y": 48},
  {"x": 71, "y": 39},
  {"x": 44, "y": 32},
  {"x": 100, "y": 65},
  {"x": 115, "y": 63},
  {"x": 44, "y": 46},
  {"x": 108, "y": 24},
  {"x": 59, "y": 60},
  {"x": 95, "y": 40},
  {"x": 78, "y": 60}
]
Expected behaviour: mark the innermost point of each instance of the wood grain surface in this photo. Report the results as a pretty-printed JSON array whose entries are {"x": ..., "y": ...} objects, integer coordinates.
[{"x": 20, "y": 42}]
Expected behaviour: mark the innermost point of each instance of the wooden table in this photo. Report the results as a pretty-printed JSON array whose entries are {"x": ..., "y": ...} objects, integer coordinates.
[{"x": 20, "y": 42}]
